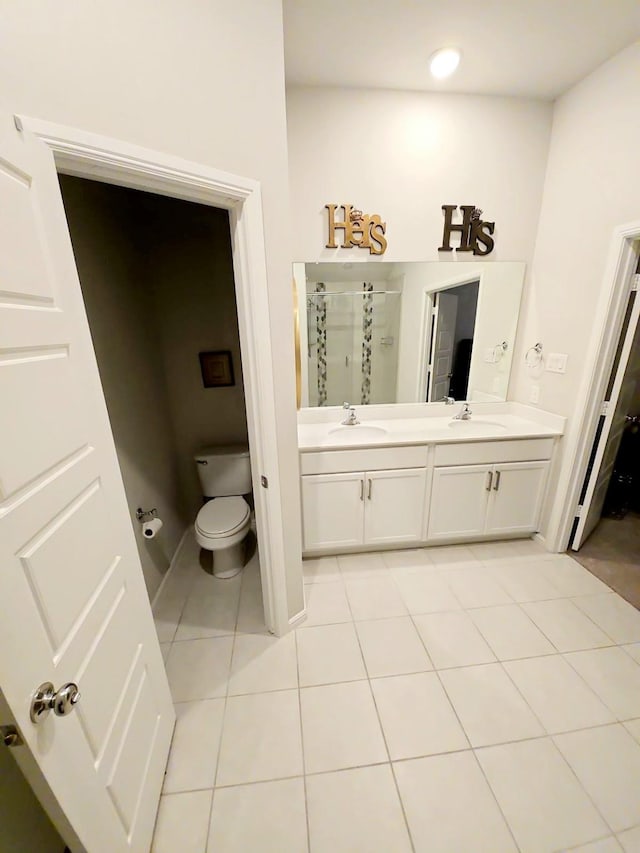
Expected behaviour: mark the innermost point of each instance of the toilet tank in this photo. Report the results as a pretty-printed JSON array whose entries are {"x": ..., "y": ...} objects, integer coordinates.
[{"x": 224, "y": 470}]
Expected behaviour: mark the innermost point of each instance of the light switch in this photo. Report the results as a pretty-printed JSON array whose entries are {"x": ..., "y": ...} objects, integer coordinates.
[{"x": 556, "y": 362}]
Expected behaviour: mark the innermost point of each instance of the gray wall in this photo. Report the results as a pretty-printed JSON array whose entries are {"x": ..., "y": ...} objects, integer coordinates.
[
  {"x": 158, "y": 285},
  {"x": 24, "y": 825},
  {"x": 118, "y": 298}
]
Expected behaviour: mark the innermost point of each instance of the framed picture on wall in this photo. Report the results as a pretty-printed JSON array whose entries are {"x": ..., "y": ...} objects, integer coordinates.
[{"x": 217, "y": 369}]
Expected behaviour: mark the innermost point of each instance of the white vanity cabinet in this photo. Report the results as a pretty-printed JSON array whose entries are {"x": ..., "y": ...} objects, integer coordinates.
[
  {"x": 501, "y": 496},
  {"x": 377, "y": 504}
]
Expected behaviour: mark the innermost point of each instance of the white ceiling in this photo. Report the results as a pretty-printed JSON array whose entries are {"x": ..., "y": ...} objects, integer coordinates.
[{"x": 534, "y": 48}]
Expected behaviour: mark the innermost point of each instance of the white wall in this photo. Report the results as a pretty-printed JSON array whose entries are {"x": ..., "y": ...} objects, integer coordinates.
[
  {"x": 591, "y": 187},
  {"x": 108, "y": 248},
  {"x": 203, "y": 81},
  {"x": 403, "y": 155}
]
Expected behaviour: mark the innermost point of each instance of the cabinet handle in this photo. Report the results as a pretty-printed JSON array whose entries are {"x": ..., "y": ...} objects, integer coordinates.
[
  {"x": 369, "y": 491},
  {"x": 497, "y": 483},
  {"x": 489, "y": 479},
  {"x": 361, "y": 490}
]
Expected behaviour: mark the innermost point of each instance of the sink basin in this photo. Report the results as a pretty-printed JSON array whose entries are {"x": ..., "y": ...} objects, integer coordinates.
[
  {"x": 344, "y": 434},
  {"x": 477, "y": 426}
]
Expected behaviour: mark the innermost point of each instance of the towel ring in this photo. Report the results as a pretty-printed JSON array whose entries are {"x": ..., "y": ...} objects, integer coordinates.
[{"x": 537, "y": 358}]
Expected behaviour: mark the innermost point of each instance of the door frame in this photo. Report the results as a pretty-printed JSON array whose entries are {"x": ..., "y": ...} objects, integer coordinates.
[
  {"x": 426, "y": 343},
  {"x": 82, "y": 154},
  {"x": 609, "y": 314}
]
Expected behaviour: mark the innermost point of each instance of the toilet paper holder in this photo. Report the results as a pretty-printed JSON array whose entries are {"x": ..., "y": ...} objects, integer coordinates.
[{"x": 146, "y": 514}]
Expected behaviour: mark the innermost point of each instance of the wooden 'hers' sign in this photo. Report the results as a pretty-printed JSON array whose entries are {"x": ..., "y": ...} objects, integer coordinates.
[{"x": 362, "y": 230}]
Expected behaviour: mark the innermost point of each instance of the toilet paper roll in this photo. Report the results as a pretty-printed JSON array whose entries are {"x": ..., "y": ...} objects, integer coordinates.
[{"x": 151, "y": 528}]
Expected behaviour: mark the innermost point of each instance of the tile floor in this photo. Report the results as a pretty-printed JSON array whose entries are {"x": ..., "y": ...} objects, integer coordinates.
[{"x": 480, "y": 698}]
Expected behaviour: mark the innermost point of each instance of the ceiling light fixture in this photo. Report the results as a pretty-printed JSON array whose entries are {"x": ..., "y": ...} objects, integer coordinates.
[{"x": 444, "y": 62}]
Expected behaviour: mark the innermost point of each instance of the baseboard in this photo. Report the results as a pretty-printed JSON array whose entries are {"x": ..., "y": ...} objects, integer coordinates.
[
  {"x": 172, "y": 564},
  {"x": 543, "y": 541},
  {"x": 298, "y": 619}
]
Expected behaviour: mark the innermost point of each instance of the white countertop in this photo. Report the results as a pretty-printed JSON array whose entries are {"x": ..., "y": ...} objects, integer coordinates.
[{"x": 381, "y": 432}]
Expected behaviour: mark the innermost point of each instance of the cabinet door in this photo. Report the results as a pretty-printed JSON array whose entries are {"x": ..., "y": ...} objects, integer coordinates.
[
  {"x": 516, "y": 497},
  {"x": 332, "y": 510},
  {"x": 459, "y": 498},
  {"x": 394, "y": 505}
]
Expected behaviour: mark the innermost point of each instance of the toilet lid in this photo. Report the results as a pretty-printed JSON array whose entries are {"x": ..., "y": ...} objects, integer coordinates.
[{"x": 222, "y": 516}]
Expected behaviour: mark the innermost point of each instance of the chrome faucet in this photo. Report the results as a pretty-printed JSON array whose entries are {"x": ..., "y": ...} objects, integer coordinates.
[
  {"x": 351, "y": 419},
  {"x": 464, "y": 414},
  {"x": 448, "y": 401}
]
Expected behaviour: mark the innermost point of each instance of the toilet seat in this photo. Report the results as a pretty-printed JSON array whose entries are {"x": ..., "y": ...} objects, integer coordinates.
[{"x": 222, "y": 517}]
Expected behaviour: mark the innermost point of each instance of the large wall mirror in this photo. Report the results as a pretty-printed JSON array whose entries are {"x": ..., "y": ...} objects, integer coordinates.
[{"x": 406, "y": 332}]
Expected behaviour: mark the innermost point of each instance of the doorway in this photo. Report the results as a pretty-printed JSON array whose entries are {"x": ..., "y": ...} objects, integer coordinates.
[
  {"x": 606, "y": 532},
  {"x": 451, "y": 341},
  {"x": 157, "y": 280}
]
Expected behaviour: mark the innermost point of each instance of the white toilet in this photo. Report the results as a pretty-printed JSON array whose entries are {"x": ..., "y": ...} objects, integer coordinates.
[{"x": 222, "y": 523}]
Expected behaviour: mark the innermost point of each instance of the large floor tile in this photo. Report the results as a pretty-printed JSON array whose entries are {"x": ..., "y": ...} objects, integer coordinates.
[
  {"x": 615, "y": 616},
  {"x": 265, "y": 816},
  {"x": 166, "y": 614},
  {"x": 375, "y": 598},
  {"x": 340, "y": 727},
  {"x": 630, "y": 840},
  {"x": 475, "y": 586},
  {"x": 603, "y": 845},
  {"x": 194, "y": 748},
  {"x": 355, "y": 566},
  {"x": 262, "y": 662},
  {"x": 260, "y": 738},
  {"x": 392, "y": 647},
  {"x": 450, "y": 807},
  {"x": 507, "y": 550},
  {"x": 558, "y": 696},
  {"x": 568, "y": 628},
  {"x": 411, "y": 558},
  {"x": 570, "y": 578},
  {"x": 328, "y": 654},
  {"x": 613, "y": 676},
  {"x": 326, "y": 604},
  {"x": 211, "y": 609},
  {"x": 199, "y": 669},
  {"x": 182, "y": 823},
  {"x": 356, "y": 810},
  {"x": 446, "y": 556},
  {"x": 523, "y": 579},
  {"x": 607, "y": 762},
  {"x": 510, "y": 632},
  {"x": 490, "y": 708},
  {"x": 544, "y": 804},
  {"x": 633, "y": 727},
  {"x": 417, "y": 718},
  {"x": 251, "y": 607},
  {"x": 426, "y": 593},
  {"x": 634, "y": 650},
  {"x": 321, "y": 570},
  {"x": 452, "y": 639}
]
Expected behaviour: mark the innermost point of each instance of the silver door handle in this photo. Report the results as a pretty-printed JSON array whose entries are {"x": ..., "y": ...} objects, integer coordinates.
[
  {"x": 46, "y": 699},
  {"x": 361, "y": 490},
  {"x": 489, "y": 479},
  {"x": 369, "y": 492},
  {"x": 497, "y": 483}
]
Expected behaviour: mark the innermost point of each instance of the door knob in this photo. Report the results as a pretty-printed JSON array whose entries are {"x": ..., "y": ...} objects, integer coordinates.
[{"x": 61, "y": 702}]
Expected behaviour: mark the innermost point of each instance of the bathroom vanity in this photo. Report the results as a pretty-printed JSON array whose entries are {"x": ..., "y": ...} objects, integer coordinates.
[{"x": 398, "y": 481}]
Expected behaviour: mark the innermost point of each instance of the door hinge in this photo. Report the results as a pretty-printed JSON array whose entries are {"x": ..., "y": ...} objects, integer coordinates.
[
  {"x": 604, "y": 409},
  {"x": 11, "y": 736},
  {"x": 264, "y": 482},
  {"x": 579, "y": 509},
  {"x": 635, "y": 282}
]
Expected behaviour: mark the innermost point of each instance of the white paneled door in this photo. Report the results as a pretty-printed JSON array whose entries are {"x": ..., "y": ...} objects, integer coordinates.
[{"x": 73, "y": 606}]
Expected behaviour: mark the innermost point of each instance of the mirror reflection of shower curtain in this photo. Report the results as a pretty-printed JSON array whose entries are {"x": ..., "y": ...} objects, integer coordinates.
[
  {"x": 367, "y": 335},
  {"x": 321, "y": 343}
]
